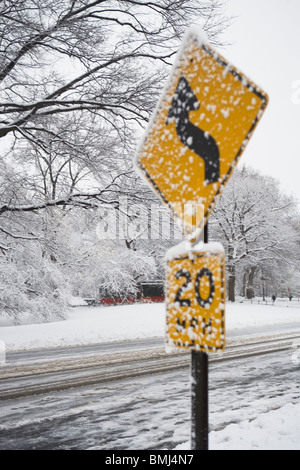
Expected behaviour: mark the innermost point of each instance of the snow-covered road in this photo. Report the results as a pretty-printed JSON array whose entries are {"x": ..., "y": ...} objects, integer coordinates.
[
  {"x": 253, "y": 402},
  {"x": 40, "y": 377},
  {"x": 153, "y": 412}
]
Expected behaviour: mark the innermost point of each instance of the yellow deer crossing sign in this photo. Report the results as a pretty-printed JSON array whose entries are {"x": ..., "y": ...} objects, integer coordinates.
[{"x": 198, "y": 132}]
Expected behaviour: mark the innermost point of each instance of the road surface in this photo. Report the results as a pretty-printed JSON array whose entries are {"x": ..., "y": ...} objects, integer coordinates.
[{"x": 137, "y": 400}]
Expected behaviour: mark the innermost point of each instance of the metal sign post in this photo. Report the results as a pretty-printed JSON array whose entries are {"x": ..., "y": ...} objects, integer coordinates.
[
  {"x": 199, "y": 398},
  {"x": 199, "y": 393}
]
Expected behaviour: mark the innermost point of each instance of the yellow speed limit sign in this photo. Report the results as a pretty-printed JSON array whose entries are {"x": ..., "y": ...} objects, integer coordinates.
[{"x": 195, "y": 297}]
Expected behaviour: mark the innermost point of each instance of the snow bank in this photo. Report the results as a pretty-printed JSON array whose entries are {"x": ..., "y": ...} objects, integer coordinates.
[
  {"x": 241, "y": 315},
  {"x": 275, "y": 430},
  {"x": 86, "y": 325}
]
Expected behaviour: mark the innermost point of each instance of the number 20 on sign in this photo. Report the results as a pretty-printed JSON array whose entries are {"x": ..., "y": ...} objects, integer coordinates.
[{"x": 195, "y": 298}]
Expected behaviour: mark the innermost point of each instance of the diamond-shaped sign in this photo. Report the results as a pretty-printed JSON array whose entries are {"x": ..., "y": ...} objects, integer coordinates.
[{"x": 202, "y": 123}]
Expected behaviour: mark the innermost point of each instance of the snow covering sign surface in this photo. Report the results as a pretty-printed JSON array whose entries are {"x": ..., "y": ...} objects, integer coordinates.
[
  {"x": 195, "y": 298},
  {"x": 198, "y": 131}
]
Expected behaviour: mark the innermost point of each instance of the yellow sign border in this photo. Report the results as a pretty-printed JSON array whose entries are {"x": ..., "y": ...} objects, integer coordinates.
[{"x": 191, "y": 37}]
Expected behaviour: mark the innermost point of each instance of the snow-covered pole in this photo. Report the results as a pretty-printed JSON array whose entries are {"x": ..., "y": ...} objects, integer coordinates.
[{"x": 199, "y": 393}]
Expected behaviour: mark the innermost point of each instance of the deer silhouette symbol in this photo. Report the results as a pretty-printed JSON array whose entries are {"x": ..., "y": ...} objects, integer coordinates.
[{"x": 200, "y": 142}]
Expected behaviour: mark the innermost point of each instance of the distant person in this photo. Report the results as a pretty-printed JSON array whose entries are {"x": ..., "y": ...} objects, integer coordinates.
[
  {"x": 290, "y": 297},
  {"x": 273, "y": 297}
]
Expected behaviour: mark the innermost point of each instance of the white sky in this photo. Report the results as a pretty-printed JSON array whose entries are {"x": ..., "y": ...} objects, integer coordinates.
[{"x": 265, "y": 46}]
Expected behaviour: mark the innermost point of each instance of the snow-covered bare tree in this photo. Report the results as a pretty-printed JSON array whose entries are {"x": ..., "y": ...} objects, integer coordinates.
[
  {"x": 107, "y": 267},
  {"x": 74, "y": 70},
  {"x": 31, "y": 285},
  {"x": 78, "y": 80},
  {"x": 255, "y": 222}
]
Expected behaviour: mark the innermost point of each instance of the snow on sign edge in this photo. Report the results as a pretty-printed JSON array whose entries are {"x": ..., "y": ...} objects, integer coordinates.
[{"x": 186, "y": 247}]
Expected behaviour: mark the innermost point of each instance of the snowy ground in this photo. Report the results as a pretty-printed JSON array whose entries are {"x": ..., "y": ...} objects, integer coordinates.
[
  {"x": 87, "y": 325},
  {"x": 275, "y": 427}
]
